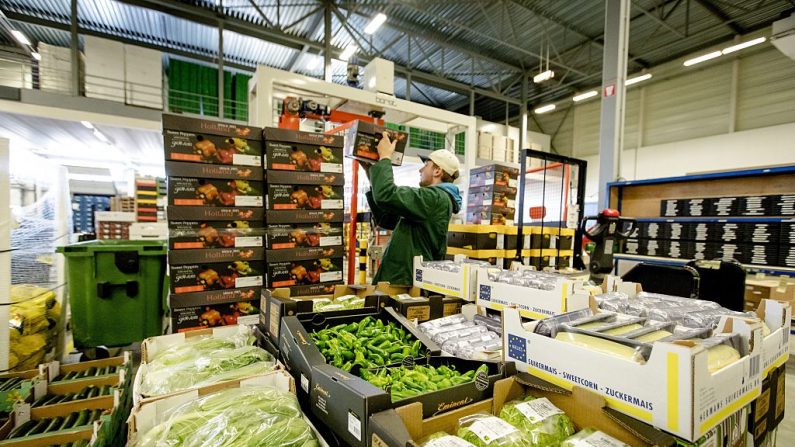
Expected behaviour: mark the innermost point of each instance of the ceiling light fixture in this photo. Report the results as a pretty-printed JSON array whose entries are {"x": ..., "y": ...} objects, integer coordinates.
[
  {"x": 544, "y": 76},
  {"x": 637, "y": 79},
  {"x": 87, "y": 125},
  {"x": 21, "y": 38},
  {"x": 702, "y": 58},
  {"x": 375, "y": 23},
  {"x": 584, "y": 96},
  {"x": 101, "y": 137},
  {"x": 36, "y": 55},
  {"x": 348, "y": 52},
  {"x": 544, "y": 109},
  {"x": 740, "y": 46}
]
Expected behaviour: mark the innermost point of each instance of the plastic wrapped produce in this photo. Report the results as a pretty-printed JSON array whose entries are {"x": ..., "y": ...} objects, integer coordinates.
[
  {"x": 524, "y": 279},
  {"x": 33, "y": 320},
  {"x": 549, "y": 326},
  {"x": 439, "y": 322},
  {"x": 492, "y": 324},
  {"x": 452, "y": 266},
  {"x": 344, "y": 302},
  {"x": 464, "y": 332},
  {"x": 442, "y": 439},
  {"x": 235, "y": 417},
  {"x": 673, "y": 314},
  {"x": 435, "y": 332},
  {"x": 591, "y": 437},
  {"x": 465, "y": 347},
  {"x": 709, "y": 318},
  {"x": 543, "y": 422},
  {"x": 485, "y": 430}
]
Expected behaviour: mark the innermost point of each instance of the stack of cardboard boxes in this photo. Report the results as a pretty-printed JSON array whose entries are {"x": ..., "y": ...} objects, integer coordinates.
[
  {"x": 215, "y": 211},
  {"x": 304, "y": 211},
  {"x": 496, "y": 147},
  {"x": 492, "y": 195}
]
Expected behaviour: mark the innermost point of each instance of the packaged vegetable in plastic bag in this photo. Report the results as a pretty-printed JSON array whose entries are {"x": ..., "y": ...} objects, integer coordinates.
[
  {"x": 591, "y": 437},
  {"x": 442, "y": 439},
  {"x": 545, "y": 423},
  {"x": 485, "y": 430},
  {"x": 196, "y": 347},
  {"x": 247, "y": 416}
]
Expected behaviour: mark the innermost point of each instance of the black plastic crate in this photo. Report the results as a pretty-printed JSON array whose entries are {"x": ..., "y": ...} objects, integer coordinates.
[
  {"x": 786, "y": 256},
  {"x": 783, "y": 205}
]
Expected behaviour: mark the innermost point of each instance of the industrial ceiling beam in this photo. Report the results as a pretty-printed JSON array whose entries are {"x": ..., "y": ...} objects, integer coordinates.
[
  {"x": 720, "y": 15},
  {"x": 659, "y": 21}
]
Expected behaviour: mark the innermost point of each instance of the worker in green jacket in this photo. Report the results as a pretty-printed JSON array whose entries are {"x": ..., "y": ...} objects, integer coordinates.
[{"x": 418, "y": 217}]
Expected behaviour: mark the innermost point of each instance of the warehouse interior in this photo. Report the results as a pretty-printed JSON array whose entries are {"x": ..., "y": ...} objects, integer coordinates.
[{"x": 647, "y": 148}]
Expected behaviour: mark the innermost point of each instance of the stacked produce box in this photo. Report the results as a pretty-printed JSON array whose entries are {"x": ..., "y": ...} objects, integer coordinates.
[
  {"x": 493, "y": 189},
  {"x": 215, "y": 210},
  {"x": 304, "y": 211}
]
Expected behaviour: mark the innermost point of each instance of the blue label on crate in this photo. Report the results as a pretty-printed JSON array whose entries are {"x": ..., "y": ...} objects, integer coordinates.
[
  {"x": 418, "y": 275},
  {"x": 517, "y": 348},
  {"x": 485, "y": 292}
]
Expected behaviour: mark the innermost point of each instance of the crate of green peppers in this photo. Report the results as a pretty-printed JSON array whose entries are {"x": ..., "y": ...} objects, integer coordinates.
[
  {"x": 440, "y": 384},
  {"x": 349, "y": 342}
]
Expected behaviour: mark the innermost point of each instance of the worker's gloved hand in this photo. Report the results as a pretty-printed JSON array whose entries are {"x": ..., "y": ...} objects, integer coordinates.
[{"x": 386, "y": 147}]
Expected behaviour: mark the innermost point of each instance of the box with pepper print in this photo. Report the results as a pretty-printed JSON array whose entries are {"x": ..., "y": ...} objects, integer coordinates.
[
  {"x": 304, "y": 272},
  {"x": 304, "y": 190},
  {"x": 291, "y": 236},
  {"x": 214, "y": 315},
  {"x": 362, "y": 138},
  {"x": 211, "y": 142},
  {"x": 189, "y": 191},
  {"x": 292, "y": 150},
  {"x": 193, "y": 234}
]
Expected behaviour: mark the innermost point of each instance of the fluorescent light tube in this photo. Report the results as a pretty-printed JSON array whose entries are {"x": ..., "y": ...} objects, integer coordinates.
[
  {"x": 545, "y": 109},
  {"x": 348, "y": 52},
  {"x": 740, "y": 46},
  {"x": 101, "y": 136},
  {"x": 584, "y": 96},
  {"x": 87, "y": 125},
  {"x": 375, "y": 23},
  {"x": 21, "y": 38},
  {"x": 705, "y": 57},
  {"x": 544, "y": 76},
  {"x": 637, "y": 79}
]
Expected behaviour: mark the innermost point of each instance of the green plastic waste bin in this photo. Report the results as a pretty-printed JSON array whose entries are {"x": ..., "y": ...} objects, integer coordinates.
[{"x": 116, "y": 291}]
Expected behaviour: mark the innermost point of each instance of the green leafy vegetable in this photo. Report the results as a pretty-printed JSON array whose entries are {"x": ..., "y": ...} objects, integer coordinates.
[
  {"x": 591, "y": 436},
  {"x": 484, "y": 430},
  {"x": 442, "y": 439},
  {"x": 544, "y": 423},
  {"x": 238, "y": 417}
]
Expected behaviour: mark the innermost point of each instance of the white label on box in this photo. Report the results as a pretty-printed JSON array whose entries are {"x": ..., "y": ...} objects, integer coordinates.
[
  {"x": 246, "y": 160},
  {"x": 599, "y": 439},
  {"x": 248, "y": 281},
  {"x": 537, "y": 410},
  {"x": 327, "y": 241},
  {"x": 304, "y": 383},
  {"x": 248, "y": 241},
  {"x": 512, "y": 182},
  {"x": 248, "y": 319},
  {"x": 330, "y": 276},
  {"x": 331, "y": 204},
  {"x": 491, "y": 428},
  {"x": 448, "y": 441},
  {"x": 354, "y": 426},
  {"x": 331, "y": 167},
  {"x": 248, "y": 201}
]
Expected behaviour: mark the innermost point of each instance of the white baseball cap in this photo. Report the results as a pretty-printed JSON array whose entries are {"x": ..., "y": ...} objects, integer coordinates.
[{"x": 445, "y": 160}]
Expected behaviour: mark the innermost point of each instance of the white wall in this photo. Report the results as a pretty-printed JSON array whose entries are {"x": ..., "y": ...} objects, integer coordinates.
[{"x": 513, "y": 132}]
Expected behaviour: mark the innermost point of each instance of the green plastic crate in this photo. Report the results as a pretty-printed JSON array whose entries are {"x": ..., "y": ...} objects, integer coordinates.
[{"x": 116, "y": 291}]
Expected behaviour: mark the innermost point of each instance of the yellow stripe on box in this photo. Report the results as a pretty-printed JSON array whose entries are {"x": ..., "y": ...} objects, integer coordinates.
[
  {"x": 563, "y": 295},
  {"x": 779, "y": 361},
  {"x": 729, "y": 410},
  {"x": 477, "y": 253},
  {"x": 672, "y": 379},
  {"x": 438, "y": 289}
]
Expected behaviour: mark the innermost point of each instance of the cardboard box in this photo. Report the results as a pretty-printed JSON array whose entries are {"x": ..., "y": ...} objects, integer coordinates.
[
  {"x": 778, "y": 401},
  {"x": 210, "y": 127},
  {"x": 345, "y": 402},
  {"x": 301, "y": 356},
  {"x": 120, "y": 380},
  {"x": 292, "y": 150},
  {"x": 285, "y": 236},
  {"x": 492, "y": 195},
  {"x": 213, "y": 297},
  {"x": 55, "y": 371},
  {"x": 460, "y": 284},
  {"x": 304, "y": 272},
  {"x": 214, "y": 255},
  {"x": 207, "y": 316},
  {"x": 673, "y": 390},
  {"x": 211, "y": 149},
  {"x": 304, "y": 216},
  {"x": 304, "y": 253},
  {"x": 494, "y": 175},
  {"x": 424, "y": 308},
  {"x": 304, "y": 197},
  {"x": 567, "y": 296},
  {"x": 405, "y": 426},
  {"x": 361, "y": 142},
  {"x": 147, "y": 415},
  {"x": 203, "y": 277},
  {"x": 490, "y": 215},
  {"x": 759, "y": 416},
  {"x": 186, "y": 234},
  {"x": 153, "y": 346},
  {"x": 305, "y": 178},
  {"x": 777, "y": 315},
  {"x": 199, "y": 170},
  {"x": 325, "y": 288},
  {"x": 187, "y": 191},
  {"x": 30, "y": 381},
  {"x": 214, "y": 214},
  {"x": 262, "y": 338},
  {"x": 476, "y": 237}
]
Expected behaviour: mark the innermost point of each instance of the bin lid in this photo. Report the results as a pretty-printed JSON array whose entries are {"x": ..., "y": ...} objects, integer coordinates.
[{"x": 88, "y": 248}]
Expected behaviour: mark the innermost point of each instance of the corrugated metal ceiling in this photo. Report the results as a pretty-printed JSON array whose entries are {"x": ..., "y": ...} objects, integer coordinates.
[{"x": 433, "y": 36}]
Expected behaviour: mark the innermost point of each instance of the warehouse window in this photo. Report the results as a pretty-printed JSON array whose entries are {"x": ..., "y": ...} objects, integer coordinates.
[
  {"x": 460, "y": 143},
  {"x": 426, "y": 139}
]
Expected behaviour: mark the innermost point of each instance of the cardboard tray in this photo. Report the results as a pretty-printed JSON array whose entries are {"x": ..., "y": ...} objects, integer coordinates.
[
  {"x": 192, "y": 235},
  {"x": 34, "y": 383},
  {"x": 777, "y": 315},
  {"x": 302, "y": 151},
  {"x": 301, "y": 356},
  {"x": 459, "y": 285},
  {"x": 146, "y": 415},
  {"x": 532, "y": 303},
  {"x": 55, "y": 369},
  {"x": 673, "y": 390}
]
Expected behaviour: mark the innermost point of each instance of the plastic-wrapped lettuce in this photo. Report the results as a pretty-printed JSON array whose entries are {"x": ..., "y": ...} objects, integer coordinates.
[
  {"x": 543, "y": 422},
  {"x": 591, "y": 437},
  {"x": 210, "y": 366},
  {"x": 238, "y": 417},
  {"x": 344, "y": 302},
  {"x": 485, "y": 430},
  {"x": 442, "y": 439},
  {"x": 196, "y": 347}
]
